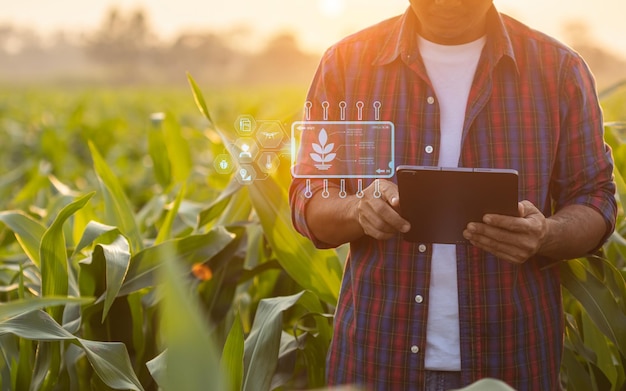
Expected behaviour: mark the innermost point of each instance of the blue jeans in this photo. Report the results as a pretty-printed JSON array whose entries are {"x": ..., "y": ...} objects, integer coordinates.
[{"x": 442, "y": 381}]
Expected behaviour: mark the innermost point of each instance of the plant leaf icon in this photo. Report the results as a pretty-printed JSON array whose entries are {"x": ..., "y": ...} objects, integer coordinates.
[
  {"x": 316, "y": 158},
  {"x": 318, "y": 148},
  {"x": 323, "y": 137},
  {"x": 330, "y": 157},
  {"x": 328, "y": 148}
]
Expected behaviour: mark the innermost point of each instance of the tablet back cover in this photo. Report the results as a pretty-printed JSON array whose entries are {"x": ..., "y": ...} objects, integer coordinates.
[{"x": 439, "y": 202}]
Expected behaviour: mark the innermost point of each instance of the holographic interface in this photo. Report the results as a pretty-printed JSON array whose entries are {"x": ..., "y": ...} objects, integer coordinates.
[{"x": 329, "y": 149}]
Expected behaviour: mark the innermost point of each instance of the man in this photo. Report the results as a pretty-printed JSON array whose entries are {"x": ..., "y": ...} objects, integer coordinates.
[{"x": 465, "y": 86}]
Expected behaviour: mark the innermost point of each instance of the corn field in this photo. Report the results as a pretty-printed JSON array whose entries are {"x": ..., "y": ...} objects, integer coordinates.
[{"x": 128, "y": 262}]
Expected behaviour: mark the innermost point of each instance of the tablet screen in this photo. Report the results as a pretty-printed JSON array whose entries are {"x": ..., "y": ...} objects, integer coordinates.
[{"x": 440, "y": 202}]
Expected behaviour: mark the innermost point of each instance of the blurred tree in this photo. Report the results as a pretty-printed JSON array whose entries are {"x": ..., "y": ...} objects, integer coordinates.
[
  {"x": 205, "y": 55},
  {"x": 282, "y": 61},
  {"x": 124, "y": 45}
]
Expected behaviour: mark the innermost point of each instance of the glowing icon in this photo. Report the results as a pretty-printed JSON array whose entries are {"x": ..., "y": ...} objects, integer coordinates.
[
  {"x": 323, "y": 150},
  {"x": 270, "y": 134},
  {"x": 246, "y": 149},
  {"x": 223, "y": 164},
  {"x": 268, "y": 162},
  {"x": 245, "y": 125},
  {"x": 246, "y": 174}
]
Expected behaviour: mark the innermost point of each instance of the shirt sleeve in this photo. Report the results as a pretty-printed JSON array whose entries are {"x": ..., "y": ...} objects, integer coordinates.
[
  {"x": 584, "y": 166},
  {"x": 324, "y": 88}
]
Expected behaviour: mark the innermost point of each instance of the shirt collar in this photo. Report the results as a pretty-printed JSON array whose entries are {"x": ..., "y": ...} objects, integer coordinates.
[{"x": 401, "y": 41}]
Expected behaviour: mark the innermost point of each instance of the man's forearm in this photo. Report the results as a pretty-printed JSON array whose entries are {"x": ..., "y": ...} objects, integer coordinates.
[
  {"x": 333, "y": 220},
  {"x": 573, "y": 232}
]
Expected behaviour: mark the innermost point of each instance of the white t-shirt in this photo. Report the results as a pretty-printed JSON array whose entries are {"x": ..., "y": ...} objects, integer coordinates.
[{"x": 451, "y": 70}]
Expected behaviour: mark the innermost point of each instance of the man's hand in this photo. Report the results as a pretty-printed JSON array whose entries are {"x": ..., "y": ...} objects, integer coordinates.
[
  {"x": 378, "y": 216},
  {"x": 513, "y": 239}
]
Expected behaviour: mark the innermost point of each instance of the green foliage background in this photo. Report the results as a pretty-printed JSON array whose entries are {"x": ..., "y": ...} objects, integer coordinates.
[{"x": 128, "y": 262}]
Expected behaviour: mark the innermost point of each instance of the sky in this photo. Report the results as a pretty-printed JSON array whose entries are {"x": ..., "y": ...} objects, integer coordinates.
[{"x": 317, "y": 23}]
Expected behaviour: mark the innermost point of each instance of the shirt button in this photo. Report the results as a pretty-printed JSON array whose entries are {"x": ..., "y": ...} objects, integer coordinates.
[
  {"x": 421, "y": 248},
  {"x": 430, "y": 100},
  {"x": 429, "y": 149},
  {"x": 415, "y": 349},
  {"x": 419, "y": 299}
]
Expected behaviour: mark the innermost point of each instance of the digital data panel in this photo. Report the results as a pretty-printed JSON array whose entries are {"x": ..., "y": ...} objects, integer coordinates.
[{"x": 343, "y": 149}]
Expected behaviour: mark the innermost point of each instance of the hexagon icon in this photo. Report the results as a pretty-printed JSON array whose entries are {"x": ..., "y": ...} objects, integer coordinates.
[
  {"x": 268, "y": 162},
  {"x": 246, "y": 174},
  {"x": 270, "y": 134},
  {"x": 223, "y": 163},
  {"x": 246, "y": 150},
  {"x": 245, "y": 125}
]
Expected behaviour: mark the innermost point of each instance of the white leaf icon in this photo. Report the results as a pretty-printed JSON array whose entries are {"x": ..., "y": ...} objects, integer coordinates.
[
  {"x": 327, "y": 149},
  {"x": 317, "y": 158},
  {"x": 318, "y": 148},
  {"x": 323, "y": 137},
  {"x": 330, "y": 157}
]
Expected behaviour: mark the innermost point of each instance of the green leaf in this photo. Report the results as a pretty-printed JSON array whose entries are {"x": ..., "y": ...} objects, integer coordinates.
[
  {"x": 160, "y": 161},
  {"x": 156, "y": 367},
  {"x": 20, "y": 307},
  {"x": 197, "y": 96},
  {"x": 192, "y": 355},
  {"x": 27, "y": 231},
  {"x": 109, "y": 359},
  {"x": 111, "y": 362},
  {"x": 263, "y": 342},
  {"x": 118, "y": 208},
  {"x": 189, "y": 250},
  {"x": 598, "y": 342},
  {"x": 177, "y": 150},
  {"x": 231, "y": 362},
  {"x": 117, "y": 260},
  {"x": 53, "y": 255},
  {"x": 93, "y": 231},
  {"x": 165, "y": 231},
  {"x": 597, "y": 301},
  {"x": 578, "y": 379},
  {"x": 217, "y": 207}
]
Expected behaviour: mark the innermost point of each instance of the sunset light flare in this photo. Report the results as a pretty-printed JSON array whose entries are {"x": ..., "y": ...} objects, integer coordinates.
[{"x": 332, "y": 8}]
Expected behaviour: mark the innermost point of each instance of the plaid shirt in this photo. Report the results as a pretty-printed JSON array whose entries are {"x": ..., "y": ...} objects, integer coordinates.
[{"x": 533, "y": 108}]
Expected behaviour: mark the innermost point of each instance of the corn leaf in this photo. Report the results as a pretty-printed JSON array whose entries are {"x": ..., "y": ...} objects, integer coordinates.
[
  {"x": 188, "y": 250},
  {"x": 177, "y": 149},
  {"x": 165, "y": 232},
  {"x": 22, "y": 306},
  {"x": 118, "y": 208},
  {"x": 53, "y": 255},
  {"x": 218, "y": 206},
  {"x": 192, "y": 356},
  {"x": 93, "y": 231},
  {"x": 263, "y": 343},
  {"x": 116, "y": 257},
  {"x": 27, "y": 231},
  {"x": 197, "y": 96},
  {"x": 109, "y": 359},
  {"x": 160, "y": 160},
  {"x": 597, "y": 301},
  {"x": 231, "y": 363}
]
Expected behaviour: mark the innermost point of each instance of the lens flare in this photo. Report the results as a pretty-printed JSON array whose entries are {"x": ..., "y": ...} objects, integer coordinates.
[{"x": 331, "y": 8}]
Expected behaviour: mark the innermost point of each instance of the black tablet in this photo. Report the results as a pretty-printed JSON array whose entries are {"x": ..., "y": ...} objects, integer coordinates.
[{"x": 440, "y": 202}]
